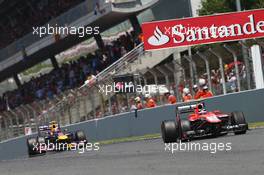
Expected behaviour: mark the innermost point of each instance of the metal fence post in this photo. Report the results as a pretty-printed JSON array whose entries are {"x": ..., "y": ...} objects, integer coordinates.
[
  {"x": 22, "y": 118},
  {"x": 109, "y": 105},
  {"x": 248, "y": 65},
  {"x": 164, "y": 73},
  {"x": 10, "y": 125},
  {"x": 27, "y": 114},
  {"x": 17, "y": 121},
  {"x": 85, "y": 107},
  {"x": 193, "y": 71},
  {"x": 78, "y": 106},
  {"x": 145, "y": 80},
  {"x": 91, "y": 96},
  {"x": 176, "y": 78},
  {"x": 153, "y": 73},
  {"x": 208, "y": 72},
  {"x": 221, "y": 69},
  {"x": 6, "y": 127},
  {"x": 236, "y": 66},
  {"x": 1, "y": 128},
  {"x": 34, "y": 116}
]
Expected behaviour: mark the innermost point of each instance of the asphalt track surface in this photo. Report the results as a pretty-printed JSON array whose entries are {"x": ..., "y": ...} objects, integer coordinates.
[{"x": 149, "y": 157}]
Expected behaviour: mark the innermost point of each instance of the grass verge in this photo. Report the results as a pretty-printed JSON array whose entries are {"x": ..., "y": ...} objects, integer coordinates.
[
  {"x": 256, "y": 125},
  {"x": 130, "y": 139}
]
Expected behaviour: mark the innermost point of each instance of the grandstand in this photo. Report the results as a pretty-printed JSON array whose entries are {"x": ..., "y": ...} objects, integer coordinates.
[{"x": 20, "y": 49}]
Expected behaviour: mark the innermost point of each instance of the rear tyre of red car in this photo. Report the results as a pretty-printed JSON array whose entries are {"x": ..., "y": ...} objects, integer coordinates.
[
  {"x": 185, "y": 128},
  {"x": 169, "y": 131},
  {"x": 238, "y": 118}
]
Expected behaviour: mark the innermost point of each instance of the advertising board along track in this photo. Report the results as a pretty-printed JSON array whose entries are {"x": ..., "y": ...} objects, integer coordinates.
[{"x": 204, "y": 29}]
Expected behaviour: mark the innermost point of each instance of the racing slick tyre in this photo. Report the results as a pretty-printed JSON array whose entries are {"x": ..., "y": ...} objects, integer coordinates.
[
  {"x": 41, "y": 140},
  {"x": 31, "y": 142},
  {"x": 80, "y": 136},
  {"x": 185, "y": 128},
  {"x": 169, "y": 131},
  {"x": 185, "y": 125},
  {"x": 33, "y": 145},
  {"x": 238, "y": 118}
]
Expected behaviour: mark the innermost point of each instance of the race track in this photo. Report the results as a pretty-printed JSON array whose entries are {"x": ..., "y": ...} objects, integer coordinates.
[{"x": 149, "y": 158}]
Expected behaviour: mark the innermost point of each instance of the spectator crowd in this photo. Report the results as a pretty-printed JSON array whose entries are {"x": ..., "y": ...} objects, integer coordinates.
[
  {"x": 20, "y": 18},
  {"x": 199, "y": 91},
  {"x": 70, "y": 75}
]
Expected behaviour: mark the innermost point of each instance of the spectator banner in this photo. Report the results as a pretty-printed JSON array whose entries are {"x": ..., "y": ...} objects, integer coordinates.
[{"x": 204, "y": 29}]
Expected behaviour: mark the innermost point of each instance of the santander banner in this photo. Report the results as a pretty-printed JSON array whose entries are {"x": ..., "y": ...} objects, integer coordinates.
[{"x": 203, "y": 30}]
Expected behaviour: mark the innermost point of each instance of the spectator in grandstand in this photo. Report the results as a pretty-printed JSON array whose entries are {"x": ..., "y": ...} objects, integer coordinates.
[
  {"x": 99, "y": 113},
  {"x": 37, "y": 13},
  {"x": 150, "y": 102},
  {"x": 132, "y": 105},
  {"x": 114, "y": 108},
  {"x": 232, "y": 81},
  {"x": 171, "y": 98},
  {"x": 202, "y": 82},
  {"x": 95, "y": 63},
  {"x": 68, "y": 76},
  {"x": 215, "y": 79},
  {"x": 197, "y": 92},
  {"x": 2, "y": 104},
  {"x": 206, "y": 92},
  {"x": 186, "y": 96},
  {"x": 40, "y": 93},
  {"x": 72, "y": 79},
  {"x": 124, "y": 108},
  {"x": 97, "y": 8},
  {"x": 90, "y": 80},
  {"x": 123, "y": 51},
  {"x": 138, "y": 103}
]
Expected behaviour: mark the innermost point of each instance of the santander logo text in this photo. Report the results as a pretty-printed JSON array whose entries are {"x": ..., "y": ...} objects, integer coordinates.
[
  {"x": 204, "y": 30},
  {"x": 158, "y": 38}
]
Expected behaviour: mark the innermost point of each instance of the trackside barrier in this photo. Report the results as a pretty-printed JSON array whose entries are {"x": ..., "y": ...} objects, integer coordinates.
[{"x": 147, "y": 121}]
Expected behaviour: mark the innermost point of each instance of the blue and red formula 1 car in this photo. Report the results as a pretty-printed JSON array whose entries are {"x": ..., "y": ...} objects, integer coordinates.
[
  {"x": 53, "y": 134},
  {"x": 201, "y": 123}
]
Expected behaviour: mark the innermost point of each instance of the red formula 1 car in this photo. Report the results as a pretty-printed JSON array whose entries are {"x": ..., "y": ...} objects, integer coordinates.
[{"x": 201, "y": 123}]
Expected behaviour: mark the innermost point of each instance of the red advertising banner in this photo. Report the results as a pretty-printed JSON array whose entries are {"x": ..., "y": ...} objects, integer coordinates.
[{"x": 203, "y": 30}]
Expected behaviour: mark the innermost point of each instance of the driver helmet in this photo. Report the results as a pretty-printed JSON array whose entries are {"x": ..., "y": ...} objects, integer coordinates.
[
  {"x": 53, "y": 126},
  {"x": 201, "y": 108}
]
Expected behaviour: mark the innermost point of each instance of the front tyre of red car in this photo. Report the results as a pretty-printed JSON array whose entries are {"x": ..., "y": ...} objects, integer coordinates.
[
  {"x": 238, "y": 118},
  {"x": 169, "y": 131}
]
